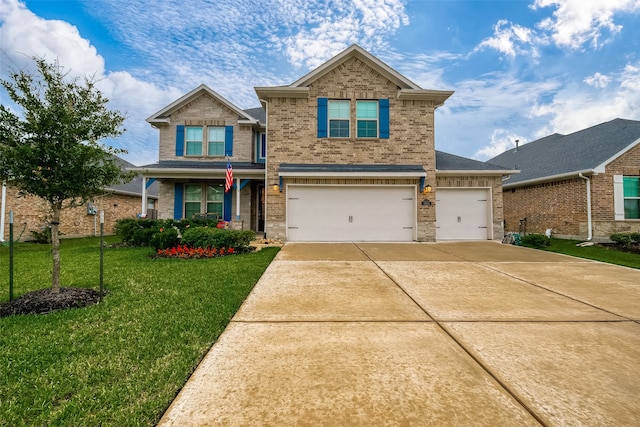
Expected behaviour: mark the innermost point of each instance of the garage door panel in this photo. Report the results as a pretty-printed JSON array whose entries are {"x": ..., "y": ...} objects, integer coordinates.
[
  {"x": 350, "y": 213},
  {"x": 462, "y": 214}
]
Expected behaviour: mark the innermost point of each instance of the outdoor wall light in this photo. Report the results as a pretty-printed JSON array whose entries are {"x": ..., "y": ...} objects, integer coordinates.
[
  {"x": 427, "y": 189},
  {"x": 276, "y": 188}
]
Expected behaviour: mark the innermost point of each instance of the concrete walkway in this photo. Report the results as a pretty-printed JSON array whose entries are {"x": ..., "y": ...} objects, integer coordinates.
[{"x": 424, "y": 334}]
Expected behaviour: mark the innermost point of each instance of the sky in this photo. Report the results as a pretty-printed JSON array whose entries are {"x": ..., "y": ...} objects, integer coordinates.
[{"x": 520, "y": 69}]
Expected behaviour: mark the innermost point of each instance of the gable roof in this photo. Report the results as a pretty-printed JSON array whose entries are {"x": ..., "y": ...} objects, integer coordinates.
[
  {"x": 408, "y": 90},
  {"x": 562, "y": 156},
  {"x": 163, "y": 115},
  {"x": 133, "y": 187},
  {"x": 451, "y": 164}
]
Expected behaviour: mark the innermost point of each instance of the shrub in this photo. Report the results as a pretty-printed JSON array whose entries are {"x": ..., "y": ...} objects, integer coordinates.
[
  {"x": 164, "y": 238},
  {"x": 43, "y": 236},
  {"x": 537, "y": 241},
  {"x": 204, "y": 237},
  {"x": 626, "y": 240}
]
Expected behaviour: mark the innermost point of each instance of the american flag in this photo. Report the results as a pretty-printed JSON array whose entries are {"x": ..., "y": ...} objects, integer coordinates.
[{"x": 229, "y": 179}]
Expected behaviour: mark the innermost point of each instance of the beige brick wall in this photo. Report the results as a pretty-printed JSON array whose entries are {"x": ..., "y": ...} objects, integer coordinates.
[
  {"x": 562, "y": 205},
  {"x": 206, "y": 111},
  {"x": 31, "y": 213},
  {"x": 494, "y": 183},
  {"x": 292, "y": 137}
]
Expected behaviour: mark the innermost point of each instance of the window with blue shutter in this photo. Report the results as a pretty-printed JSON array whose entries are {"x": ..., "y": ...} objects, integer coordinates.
[
  {"x": 384, "y": 118},
  {"x": 228, "y": 141},
  {"x": 180, "y": 140},
  {"x": 178, "y": 195},
  {"x": 323, "y": 120}
]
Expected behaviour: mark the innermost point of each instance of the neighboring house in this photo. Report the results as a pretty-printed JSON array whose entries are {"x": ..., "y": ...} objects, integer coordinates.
[
  {"x": 351, "y": 157},
  {"x": 584, "y": 185},
  {"x": 32, "y": 214}
]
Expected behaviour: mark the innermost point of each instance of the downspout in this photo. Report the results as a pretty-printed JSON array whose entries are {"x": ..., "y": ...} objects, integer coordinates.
[
  {"x": 589, "y": 222},
  {"x": 2, "y": 210},
  {"x": 266, "y": 160}
]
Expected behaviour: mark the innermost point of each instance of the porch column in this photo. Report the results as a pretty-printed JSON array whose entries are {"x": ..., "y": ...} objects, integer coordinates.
[
  {"x": 144, "y": 197},
  {"x": 237, "y": 198}
]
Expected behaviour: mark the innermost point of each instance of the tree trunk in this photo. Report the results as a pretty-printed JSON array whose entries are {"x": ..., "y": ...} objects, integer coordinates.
[{"x": 55, "y": 248}]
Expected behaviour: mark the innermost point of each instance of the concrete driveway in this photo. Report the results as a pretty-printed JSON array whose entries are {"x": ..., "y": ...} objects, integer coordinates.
[{"x": 424, "y": 334}]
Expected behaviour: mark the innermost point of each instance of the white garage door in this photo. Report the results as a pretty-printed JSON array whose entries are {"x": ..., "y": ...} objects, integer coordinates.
[
  {"x": 350, "y": 213},
  {"x": 463, "y": 214}
]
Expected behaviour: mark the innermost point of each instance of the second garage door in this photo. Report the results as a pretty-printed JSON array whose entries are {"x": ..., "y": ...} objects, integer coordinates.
[
  {"x": 463, "y": 214},
  {"x": 351, "y": 213}
]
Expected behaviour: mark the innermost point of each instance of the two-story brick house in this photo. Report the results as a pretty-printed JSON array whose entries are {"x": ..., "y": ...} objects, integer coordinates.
[{"x": 349, "y": 155}]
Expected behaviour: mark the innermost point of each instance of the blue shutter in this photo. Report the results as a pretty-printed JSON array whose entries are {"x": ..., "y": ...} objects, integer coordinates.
[
  {"x": 180, "y": 140},
  {"x": 228, "y": 203},
  {"x": 178, "y": 195},
  {"x": 384, "y": 118},
  {"x": 228, "y": 141},
  {"x": 323, "y": 118}
]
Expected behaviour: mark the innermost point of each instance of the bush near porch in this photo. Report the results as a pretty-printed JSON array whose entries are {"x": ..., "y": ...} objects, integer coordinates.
[{"x": 195, "y": 233}]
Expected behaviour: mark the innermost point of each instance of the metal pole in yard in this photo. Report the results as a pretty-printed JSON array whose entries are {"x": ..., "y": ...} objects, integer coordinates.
[
  {"x": 101, "y": 253},
  {"x": 11, "y": 255}
]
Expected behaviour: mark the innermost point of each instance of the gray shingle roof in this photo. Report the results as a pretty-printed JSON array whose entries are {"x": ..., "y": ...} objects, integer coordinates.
[
  {"x": 451, "y": 162},
  {"x": 135, "y": 185},
  {"x": 186, "y": 164},
  {"x": 581, "y": 151},
  {"x": 257, "y": 113}
]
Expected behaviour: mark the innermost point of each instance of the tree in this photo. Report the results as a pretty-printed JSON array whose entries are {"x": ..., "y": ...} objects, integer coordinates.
[{"x": 52, "y": 150}]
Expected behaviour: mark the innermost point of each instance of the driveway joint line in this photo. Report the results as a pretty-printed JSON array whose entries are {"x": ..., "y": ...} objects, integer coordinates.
[
  {"x": 488, "y": 267},
  {"x": 456, "y": 341}
]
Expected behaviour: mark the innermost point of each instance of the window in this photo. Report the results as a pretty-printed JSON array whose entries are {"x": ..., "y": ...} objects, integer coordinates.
[
  {"x": 367, "y": 119},
  {"x": 631, "y": 192},
  {"x": 194, "y": 141},
  {"x": 339, "y": 119},
  {"x": 192, "y": 199},
  {"x": 215, "y": 145},
  {"x": 215, "y": 199}
]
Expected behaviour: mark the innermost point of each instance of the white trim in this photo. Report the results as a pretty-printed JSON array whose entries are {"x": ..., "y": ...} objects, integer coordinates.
[
  {"x": 551, "y": 178},
  {"x": 353, "y": 174},
  {"x": 198, "y": 173},
  {"x": 589, "y": 220},
  {"x": 476, "y": 172},
  {"x": 618, "y": 197}
]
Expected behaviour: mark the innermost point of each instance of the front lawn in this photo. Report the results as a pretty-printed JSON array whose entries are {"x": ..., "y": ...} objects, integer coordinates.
[
  {"x": 604, "y": 253},
  {"x": 120, "y": 362}
]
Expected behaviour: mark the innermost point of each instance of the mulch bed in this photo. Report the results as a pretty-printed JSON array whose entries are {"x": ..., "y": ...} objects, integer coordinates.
[{"x": 46, "y": 301}]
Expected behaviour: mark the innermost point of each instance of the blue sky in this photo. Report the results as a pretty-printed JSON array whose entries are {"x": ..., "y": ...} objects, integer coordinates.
[{"x": 520, "y": 69}]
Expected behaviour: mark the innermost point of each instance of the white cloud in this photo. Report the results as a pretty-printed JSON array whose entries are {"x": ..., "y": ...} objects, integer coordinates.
[
  {"x": 598, "y": 80},
  {"x": 572, "y": 109},
  {"x": 576, "y": 22},
  {"x": 501, "y": 141},
  {"x": 510, "y": 39},
  {"x": 25, "y": 35},
  {"x": 340, "y": 24}
]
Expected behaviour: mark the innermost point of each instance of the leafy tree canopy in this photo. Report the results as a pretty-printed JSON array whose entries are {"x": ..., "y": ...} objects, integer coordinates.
[{"x": 52, "y": 150}]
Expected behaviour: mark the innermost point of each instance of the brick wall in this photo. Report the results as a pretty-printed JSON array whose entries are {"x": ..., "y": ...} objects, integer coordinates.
[
  {"x": 31, "y": 213},
  {"x": 562, "y": 205},
  {"x": 559, "y": 205},
  {"x": 292, "y": 137},
  {"x": 205, "y": 110}
]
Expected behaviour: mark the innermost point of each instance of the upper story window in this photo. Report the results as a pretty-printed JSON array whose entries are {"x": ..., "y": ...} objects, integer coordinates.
[
  {"x": 215, "y": 145},
  {"x": 631, "y": 192},
  {"x": 194, "y": 141},
  {"x": 339, "y": 118},
  {"x": 334, "y": 118},
  {"x": 191, "y": 139},
  {"x": 367, "y": 119}
]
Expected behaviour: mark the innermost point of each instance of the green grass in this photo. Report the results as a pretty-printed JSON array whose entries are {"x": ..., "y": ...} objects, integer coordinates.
[
  {"x": 598, "y": 253},
  {"x": 121, "y": 362}
]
